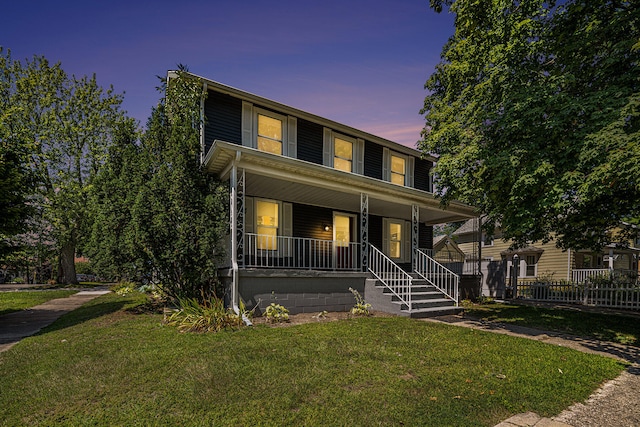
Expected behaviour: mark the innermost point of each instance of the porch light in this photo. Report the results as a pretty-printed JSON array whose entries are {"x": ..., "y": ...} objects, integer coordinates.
[{"x": 327, "y": 227}]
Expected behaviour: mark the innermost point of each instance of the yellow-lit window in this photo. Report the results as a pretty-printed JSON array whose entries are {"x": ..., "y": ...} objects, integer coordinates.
[
  {"x": 395, "y": 240},
  {"x": 267, "y": 224},
  {"x": 343, "y": 155},
  {"x": 398, "y": 170},
  {"x": 269, "y": 134},
  {"x": 342, "y": 227}
]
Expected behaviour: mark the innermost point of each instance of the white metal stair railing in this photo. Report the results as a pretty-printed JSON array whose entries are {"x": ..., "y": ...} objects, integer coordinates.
[
  {"x": 437, "y": 274},
  {"x": 390, "y": 275}
]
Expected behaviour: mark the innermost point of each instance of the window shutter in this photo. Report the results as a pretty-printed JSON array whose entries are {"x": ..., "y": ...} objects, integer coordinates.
[
  {"x": 247, "y": 124},
  {"x": 359, "y": 156},
  {"x": 287, "y": 219},
  {"x": 406, "y": 256},
  {"x": 327, "y": 148},
  {"x": 411, "y": 162},
  {"x": 292, "y": 137},
  {"x": 249, "y": 217},
  {"x": 385, "y": 236},
  {"x": 386, "y": 164}
]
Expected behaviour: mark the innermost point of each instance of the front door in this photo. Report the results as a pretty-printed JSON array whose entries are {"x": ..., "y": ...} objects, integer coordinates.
[{"x": 342, "y": 233}]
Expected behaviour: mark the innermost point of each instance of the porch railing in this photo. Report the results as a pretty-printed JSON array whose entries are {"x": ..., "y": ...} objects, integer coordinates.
[
  {"x": 390, "y": 275},
  {"x": 264, "y": 251},
  {"x": 580, "y": 275},
  {"x": 457, "y": 263},
  {"x": 437, "y": 274}
]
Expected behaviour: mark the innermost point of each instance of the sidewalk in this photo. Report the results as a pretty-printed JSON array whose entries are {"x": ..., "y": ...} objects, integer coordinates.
[
  {"x": 21, "y": 324},
  {"x": 615, "y": 404}
]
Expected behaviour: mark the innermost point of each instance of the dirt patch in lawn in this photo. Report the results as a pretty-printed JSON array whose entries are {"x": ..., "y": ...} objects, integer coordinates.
[{"x": 302, "y": 318}]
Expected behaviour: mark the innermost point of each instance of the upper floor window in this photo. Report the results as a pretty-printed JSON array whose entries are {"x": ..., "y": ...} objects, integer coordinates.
[
  {"x": 398, "y": 169},
  {"x": 342, "y": 152},
  {"x": 487, "y": 240},
  {"x": 270, "y": 134},
  {"x": 268, "y": 131},
  {"x": 343, "y": 155}
]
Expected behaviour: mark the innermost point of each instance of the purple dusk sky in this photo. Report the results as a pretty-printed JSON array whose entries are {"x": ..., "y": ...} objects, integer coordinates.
[{"x": 361, "y": 63}]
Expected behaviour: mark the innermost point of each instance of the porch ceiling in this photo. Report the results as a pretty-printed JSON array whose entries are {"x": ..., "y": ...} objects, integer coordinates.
[
  {"x": 283, "y": 178},
  {"x": 279, "y": 189}
]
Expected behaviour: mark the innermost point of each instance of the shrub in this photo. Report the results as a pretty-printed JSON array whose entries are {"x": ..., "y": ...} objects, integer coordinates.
[
  {"x": 123, "y": 288},
  {"x": 18, "y": 280},
  {"x": 84, "y": 267},
  {"x": 361, "y": 308},
  {"x": 276, "y": 313},
  {"x": 210, "y": 316},
  {"x": 483, "y": 299},
  {"x": 466, "y": 303}
]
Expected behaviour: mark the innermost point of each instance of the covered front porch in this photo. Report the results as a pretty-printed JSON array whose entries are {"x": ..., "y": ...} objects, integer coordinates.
[
  {"x": 611, "y": 262},
  {"x": 290, "y": 215}
]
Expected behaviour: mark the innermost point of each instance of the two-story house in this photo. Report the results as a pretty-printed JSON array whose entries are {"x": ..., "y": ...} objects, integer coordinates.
[{"x": 317, "y": 206}]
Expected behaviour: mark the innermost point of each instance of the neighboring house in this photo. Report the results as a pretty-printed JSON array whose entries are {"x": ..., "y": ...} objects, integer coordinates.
[
  {"x": 447, "y": 252},
  {"x": 541, "y": 260},
  {"x": 316, "y": 206}
]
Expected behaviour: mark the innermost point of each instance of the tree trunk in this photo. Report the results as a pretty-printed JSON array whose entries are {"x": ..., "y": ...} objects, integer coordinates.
[{"x": 67, "y": 266}]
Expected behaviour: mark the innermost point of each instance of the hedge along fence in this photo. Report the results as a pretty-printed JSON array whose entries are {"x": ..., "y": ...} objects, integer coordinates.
[{"x": 600, "y": 292}]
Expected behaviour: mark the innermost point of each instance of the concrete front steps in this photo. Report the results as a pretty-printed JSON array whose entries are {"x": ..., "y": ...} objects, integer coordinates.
[{"x": 426, "y": 300}]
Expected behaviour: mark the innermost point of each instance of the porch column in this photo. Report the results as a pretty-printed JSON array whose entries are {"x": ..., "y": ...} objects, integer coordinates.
[
  {"x": 364, "y": 230},
  {"x": 236, "y": 219},
  {"x": 240, "y": 218},
  {"x": 415, "y": 231},
  {"x": 610, "y": 258}
]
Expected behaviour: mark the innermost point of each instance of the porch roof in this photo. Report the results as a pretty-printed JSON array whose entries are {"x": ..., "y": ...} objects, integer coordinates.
[
  {"x": 285, "y": 178},
  {"x": 526, "y": 250}
]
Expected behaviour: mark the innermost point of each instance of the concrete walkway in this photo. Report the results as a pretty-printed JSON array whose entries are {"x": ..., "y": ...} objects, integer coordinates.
[
  {"x": 20, "y": 324},
  {"x": 615, "y": 404}
]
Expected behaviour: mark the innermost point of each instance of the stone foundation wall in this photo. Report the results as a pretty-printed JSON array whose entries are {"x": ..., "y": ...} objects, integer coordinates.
[{"x": 298, "y": 291}]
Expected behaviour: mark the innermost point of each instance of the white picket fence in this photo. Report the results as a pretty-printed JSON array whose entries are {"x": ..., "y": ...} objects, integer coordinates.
[{"x": 598, "y": 293}]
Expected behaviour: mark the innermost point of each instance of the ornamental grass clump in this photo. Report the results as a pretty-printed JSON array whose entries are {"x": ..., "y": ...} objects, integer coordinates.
[
  {"x": 208, "y": 316},
  {"x": 361, "y": 308}
]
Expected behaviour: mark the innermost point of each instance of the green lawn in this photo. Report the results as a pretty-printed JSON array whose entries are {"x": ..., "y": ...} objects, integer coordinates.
[
  {"x": 19, "y": 300},
  {"x": 608, "y": 327},
  {"x": 106, "y": 364}
]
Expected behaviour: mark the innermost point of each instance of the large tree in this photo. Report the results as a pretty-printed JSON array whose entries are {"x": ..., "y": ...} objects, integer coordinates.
[
  {"x": 112, "y": 246},
  {"x": 158, "y": 215},
  {"x": 66, "y": 123},
  {"x": 534, "y": 115}
]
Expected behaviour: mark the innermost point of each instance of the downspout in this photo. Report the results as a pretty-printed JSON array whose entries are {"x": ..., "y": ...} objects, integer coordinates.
[
  {"x": 569, "y": 265},
  {"x": 479, "y": 219},
  {"x": 235, "y": 293},
  {"x": 202, "y": 119}
]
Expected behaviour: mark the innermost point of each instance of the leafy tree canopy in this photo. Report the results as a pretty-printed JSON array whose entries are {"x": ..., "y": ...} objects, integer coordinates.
[
  {"x": 534, "y": 114},
  {"x": 62, "y": 126}
]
